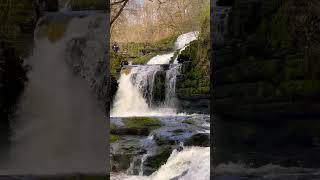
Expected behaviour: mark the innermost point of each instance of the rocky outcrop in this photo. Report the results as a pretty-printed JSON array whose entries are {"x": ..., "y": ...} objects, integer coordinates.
[
  {"x": 192, "y": 87},
  {"x": 264, "y": 67}
]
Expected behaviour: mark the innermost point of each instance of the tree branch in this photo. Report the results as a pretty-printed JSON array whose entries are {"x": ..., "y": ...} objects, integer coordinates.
[
  {"x": 117, "y": 2},
  {"x": 119, "y": 12}
]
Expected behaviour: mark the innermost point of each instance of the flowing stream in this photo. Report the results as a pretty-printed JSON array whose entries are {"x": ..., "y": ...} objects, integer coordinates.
[{"x": 136, "y": 96}]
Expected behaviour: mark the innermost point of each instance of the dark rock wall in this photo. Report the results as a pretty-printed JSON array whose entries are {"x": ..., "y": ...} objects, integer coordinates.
[{"x": 266, "y": 78}]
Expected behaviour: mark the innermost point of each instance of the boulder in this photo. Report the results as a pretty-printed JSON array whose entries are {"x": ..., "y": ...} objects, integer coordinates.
[{"x": 199, "y": 139}]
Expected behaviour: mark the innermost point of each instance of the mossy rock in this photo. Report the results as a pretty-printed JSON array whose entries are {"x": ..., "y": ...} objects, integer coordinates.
[
  {"x": 138, "y": 126},
  {"x": 114, "y": 138},
  {"x": 188, "y": 121},
  {"x": 142, "y": 122}
]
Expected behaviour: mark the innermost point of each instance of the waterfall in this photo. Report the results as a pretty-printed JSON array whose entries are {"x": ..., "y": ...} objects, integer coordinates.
[
  {"x": 128, "y": 101},
  {"x": 136, "y": 84},
  {"x": 143, "y": 77},
  {"x": 60, "y": 124}
]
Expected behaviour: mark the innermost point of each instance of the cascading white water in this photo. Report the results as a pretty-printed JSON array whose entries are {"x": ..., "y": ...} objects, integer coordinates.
[
  {"x": 135, "y": 93},
  {"x": 189, "y": 164},
  {"x": 183, "y": 42},
  {"x": 60, "y": 124},
  {"x": 184, "y": 39},
  {"x": 161, "y": 59},
  {"x": 128, "y": 101},
  {"x": 134, "y": 87},
  {"x": 171, "y": 80},
  {"x": 143, "y": 77}
]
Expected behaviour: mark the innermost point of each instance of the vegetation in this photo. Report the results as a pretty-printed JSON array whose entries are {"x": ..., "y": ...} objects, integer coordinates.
[
  {"x": 114, "y": 138},
  {"x": 195, "y": 75},
  {"x": 138, "y": 122}
]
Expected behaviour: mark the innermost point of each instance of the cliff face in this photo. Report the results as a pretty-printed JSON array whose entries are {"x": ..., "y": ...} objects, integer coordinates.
[
  {"x": 269, "y": 62},
  {"x": 266, "y": 89}
]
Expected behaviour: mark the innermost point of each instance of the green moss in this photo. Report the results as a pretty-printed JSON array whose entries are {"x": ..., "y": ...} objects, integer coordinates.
[
  {"x": 188, "y": 121},
  {"x": 112, "y": 126},
  {"x": 141, "y": 53},
  {"x": 143, "y": 59},
  {"x": 140, "y": 122},
  {"x": 114, "y": 138}
]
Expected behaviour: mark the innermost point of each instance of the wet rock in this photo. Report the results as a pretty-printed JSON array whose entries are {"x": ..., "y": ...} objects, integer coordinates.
[
  {"x": 159, "y": 88},
  {"x": 200, "y": 139},
  {"x": 173, "y": 134},
  {"x": 156, "y": 160},
  {"x": 130, "y": 131},
  {"x": 123, "y": 151}
]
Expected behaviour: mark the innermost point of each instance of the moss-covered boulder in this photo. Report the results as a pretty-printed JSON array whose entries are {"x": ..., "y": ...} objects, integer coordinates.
[
  {"x": 139, "y": 126},
  {"x": 154, "y": 162}
]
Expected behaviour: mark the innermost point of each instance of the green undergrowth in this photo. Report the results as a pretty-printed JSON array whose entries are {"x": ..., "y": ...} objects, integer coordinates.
[{"x": 141, "y": 53}]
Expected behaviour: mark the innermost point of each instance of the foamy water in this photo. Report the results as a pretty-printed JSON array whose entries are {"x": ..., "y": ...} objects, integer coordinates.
[
  {"x": 190, "y": 164},
  {"x": 161, "y": 59}
]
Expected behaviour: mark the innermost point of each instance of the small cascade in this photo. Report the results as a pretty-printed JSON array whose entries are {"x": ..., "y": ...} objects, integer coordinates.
[
  {"x": 143, "y": 159},
  {"x": 185, "y": 39},
  {"x": 161, "y": 59},
  {"x": 143, "y": 77},
  {"x": 171, "y": 80}
]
